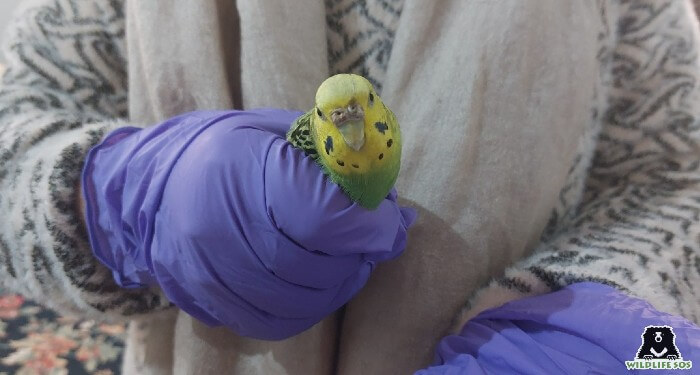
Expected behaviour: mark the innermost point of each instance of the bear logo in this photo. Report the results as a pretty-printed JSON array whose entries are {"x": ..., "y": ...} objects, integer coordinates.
[{"x": 658, "y": 342}]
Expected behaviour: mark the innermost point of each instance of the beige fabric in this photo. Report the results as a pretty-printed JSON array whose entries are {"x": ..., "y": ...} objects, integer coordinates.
[
  {"x": 492, "y": 114},
  {"x": 194, "y": 67},
  {"x": 149, "y": 345},
  {"x": 203, "y": 350},
  {"x": 483, "y": 187}
]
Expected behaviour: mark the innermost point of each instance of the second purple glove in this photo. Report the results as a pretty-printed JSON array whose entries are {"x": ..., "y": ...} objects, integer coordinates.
[{"x": 236, "y": 226}]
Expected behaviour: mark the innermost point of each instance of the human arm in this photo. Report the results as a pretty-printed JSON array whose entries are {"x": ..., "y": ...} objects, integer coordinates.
[{"x": 65, "y": 86}]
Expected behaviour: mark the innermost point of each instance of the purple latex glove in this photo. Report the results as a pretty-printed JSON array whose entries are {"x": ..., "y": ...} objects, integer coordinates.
[
  {"x": 234, "y": 224},
  {"x": 585, "y": 328}
]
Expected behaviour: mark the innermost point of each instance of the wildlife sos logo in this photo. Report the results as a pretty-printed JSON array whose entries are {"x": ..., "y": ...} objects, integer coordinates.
[{"x": 658, "y": 351}]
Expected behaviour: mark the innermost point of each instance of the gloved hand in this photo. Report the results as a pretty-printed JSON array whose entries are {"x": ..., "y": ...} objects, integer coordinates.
[
  {"x": 237, "y": 227},
  {"x": 583, "y": 328}
]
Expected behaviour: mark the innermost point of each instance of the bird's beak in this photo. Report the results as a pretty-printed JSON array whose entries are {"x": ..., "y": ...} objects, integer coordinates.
[
  {"x": 353, "y": 133},
  {"x": 350, "y": 121}
]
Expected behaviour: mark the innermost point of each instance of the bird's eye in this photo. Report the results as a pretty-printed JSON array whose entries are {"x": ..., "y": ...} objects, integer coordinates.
[
  {"x": 371, "y": 98},
  {"x": 319, "y": 113}
]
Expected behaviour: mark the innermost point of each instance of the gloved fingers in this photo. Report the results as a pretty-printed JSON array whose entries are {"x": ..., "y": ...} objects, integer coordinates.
[
  {"x": 216, "y": 190},
  {"x": 399, "y": 244},
  {"x": 546, "y": 333},
  {"x": 308, "y": 207},
  {"x": 393, "y": 195},
  {"x": 297, "y": 265},
  {"x": 226, "y": 272},
  {"x": 272, "y": 120},
  {"x": 409, "y": 216}
]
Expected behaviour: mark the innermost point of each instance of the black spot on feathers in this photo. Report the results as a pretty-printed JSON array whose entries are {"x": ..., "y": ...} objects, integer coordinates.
[
  {"x": 381, "y": 127},
  {"x": 329, "y": 145}
]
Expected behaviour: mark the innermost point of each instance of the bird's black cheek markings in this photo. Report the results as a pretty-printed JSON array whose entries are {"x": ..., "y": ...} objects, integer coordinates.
[
  {"x": 381, "y": 127},
  {"x": 340, "y": 163},
  {"x": 329, "y": 145},
  {"x": 389, "y": 143},
  {"x": 381, "y": 156},
  {"x": 355, "y": 166}
]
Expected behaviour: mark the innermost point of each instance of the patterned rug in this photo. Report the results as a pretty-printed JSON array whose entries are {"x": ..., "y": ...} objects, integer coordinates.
[{"x": 35, "y": 340}]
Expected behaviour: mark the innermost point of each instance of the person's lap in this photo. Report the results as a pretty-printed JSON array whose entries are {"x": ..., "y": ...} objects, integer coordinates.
[{"x": 493, "y": 103}]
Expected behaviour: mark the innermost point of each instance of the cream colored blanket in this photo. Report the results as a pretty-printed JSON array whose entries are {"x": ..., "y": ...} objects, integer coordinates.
[{"x": 546, "y": 143}]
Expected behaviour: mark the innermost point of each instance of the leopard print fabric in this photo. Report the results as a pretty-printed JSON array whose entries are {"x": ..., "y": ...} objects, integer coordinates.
[{"x": 64, "y": 87}]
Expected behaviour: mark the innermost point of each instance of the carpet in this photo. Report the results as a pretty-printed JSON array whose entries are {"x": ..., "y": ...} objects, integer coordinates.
[{"x": 35, "y": 340}]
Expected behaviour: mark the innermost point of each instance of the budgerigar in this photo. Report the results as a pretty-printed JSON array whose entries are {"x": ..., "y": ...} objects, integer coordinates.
[{"x": 353, "y": 136}]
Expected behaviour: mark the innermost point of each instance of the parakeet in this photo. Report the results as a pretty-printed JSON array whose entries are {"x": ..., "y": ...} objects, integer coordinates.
[{"x": 353, "y": 136}]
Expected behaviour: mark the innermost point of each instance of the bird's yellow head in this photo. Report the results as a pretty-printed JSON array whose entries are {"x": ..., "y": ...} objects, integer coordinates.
[{"x": 353, "y": 126}]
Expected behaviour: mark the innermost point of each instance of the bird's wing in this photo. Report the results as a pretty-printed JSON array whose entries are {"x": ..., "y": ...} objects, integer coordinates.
[{"x": 299, "y": 135}]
